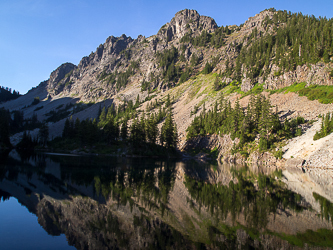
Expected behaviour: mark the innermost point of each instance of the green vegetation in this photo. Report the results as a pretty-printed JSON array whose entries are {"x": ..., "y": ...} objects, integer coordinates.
[
  {"x": 70, "y": 109},
  {"x": 119, "y": 79},
  {"x": 111, "y": 130},
  {"x": 135, "y": 188},
  {"x": 216, "y": 39},
  {"x": 169, "y": 136},
  {"x": 149, "y": 85},
  {"x": 321, "y": 238},
  {"x": 292, "y": 88},
  {"x": 145, "y": 85},
  {"x": 28, "y": 143},
  {"x": 257, "y": 89},
  {"x": 244, "y": 198},
  {"x": 326, "y": 127},
  {"x": 6, "y": 94},
  {"x": 68, "y": 74},
  {"x": 14, "y": 122},
  {"x": 326, "y": 207},
  {"x": 194, "y": 60},
  {"x": 296, "y": 43},
  {"x": 167, "y": 61},
  {"x": 322, "y": 93},
  {"x": 186, "y": 74},
  {"x": 233, "y": 87},
  {"x": 207, "y": 69},
  {"x": 259, "y": 121},
  {"x": 35, "y": 101},
  {"x": 217, "y": 84},
  {"x": 211, "y": 154}
]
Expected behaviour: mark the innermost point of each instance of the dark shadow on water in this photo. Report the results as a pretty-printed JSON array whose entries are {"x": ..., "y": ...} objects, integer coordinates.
[{"x": 112, "y": 199}]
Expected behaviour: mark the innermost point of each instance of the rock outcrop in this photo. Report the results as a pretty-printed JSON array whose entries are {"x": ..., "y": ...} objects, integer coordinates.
[
  {"x": 114, "y": 73},
  {"x": 186, "y": 21},
  {"x": 59, "y": 78},
  {"x": 317, "y": 74}
]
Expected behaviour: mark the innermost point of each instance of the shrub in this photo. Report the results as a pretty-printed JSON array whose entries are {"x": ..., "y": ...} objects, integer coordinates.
[
  {"x": 300, "y": 120},
  {"x": 326, "y": 127},
  {"x": 331, "y": 73},
  {"x": 277, "y": 73},
  {"x": 298, "y": 132},
  {"x": 278, "y": 154},
  {"x": 207, "y": 69},
  {"x": 35, "y": 101}
]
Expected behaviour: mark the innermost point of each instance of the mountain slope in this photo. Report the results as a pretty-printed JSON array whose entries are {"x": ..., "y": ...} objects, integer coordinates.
[{"x": 240, "y": 58}]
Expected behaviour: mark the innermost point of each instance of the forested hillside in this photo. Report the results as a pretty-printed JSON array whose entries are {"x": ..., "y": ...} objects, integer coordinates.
[
  {"x": 294, "y": 39},
  {"x": 193, "y": 62}
]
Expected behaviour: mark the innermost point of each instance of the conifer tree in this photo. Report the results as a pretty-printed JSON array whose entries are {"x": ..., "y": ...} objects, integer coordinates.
[
  {"x": 142, "y": 129},
  {"x": 99, "y": 110},
  {"x": 258, "y": 120},
  {"x": 236, "y": 116},
  {"x": 4, "y": 127},
  {"x": 124, "y": 130},
  {"x": 102, "y": 116},
  {"x": 26, "y": 143},
  {"x": 135, "y": 134},
  {"x": 92, "y": 131},
  {"x": 217, "y": 85},
  {"x": 169, "y": 136},
  {"x": 207, "y": 69},
  {"x": 66, "y": 130},
  {"x": 110, "y": 114},
  {"x": 152, "y": 130},
  {"x": 77, "y": 126},
  {"x": 137, "y": 102},
  {"x": 111, "y": 130},
  {"x": 168, "y": 102},
  {"x": 43, "y": 134}
]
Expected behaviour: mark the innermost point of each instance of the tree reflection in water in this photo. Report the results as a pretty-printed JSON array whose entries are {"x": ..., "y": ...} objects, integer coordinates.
[
  {"x": 105, "y": 202},
  {"x": 254, "y": 197}
]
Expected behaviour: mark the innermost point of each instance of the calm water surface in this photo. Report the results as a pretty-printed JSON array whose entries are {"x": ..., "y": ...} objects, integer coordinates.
[
  {"x": 19, "y": 229},
  {"x": 68, "y": 202}
]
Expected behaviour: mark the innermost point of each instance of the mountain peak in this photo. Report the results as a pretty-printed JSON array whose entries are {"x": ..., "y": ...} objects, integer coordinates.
[{"x": 184, "y": 21}]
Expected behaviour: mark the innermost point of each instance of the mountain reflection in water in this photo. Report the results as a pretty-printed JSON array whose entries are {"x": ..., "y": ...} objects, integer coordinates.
[{"x": 121, "y": 203}]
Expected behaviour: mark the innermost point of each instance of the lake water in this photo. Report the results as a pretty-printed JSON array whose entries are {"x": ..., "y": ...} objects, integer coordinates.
[{"x": 53, "y": 201}]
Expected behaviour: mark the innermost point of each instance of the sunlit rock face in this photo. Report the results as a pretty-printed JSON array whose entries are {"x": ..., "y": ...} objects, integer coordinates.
[{"x": 185, "y": 20}]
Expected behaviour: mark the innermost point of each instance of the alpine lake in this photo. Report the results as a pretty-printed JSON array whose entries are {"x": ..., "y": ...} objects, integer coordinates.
[{"x": 54, "y": 201}]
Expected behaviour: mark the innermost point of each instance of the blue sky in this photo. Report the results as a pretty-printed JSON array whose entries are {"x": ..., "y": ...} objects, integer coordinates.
[{"x": 36, "y": 36}]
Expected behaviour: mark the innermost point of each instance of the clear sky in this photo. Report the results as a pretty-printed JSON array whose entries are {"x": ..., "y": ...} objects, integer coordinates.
[{"x": 37, "y": 36}]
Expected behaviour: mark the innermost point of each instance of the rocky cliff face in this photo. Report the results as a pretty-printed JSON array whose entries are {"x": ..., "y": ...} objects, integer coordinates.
[
  {"x": 99, "y": 76},
  {"x": 257, "y": 22},
  {"x": 117, "y": 53},
  {"x": 317, "y": 74},
  {"x": 60, "y": 78},
  {"x": 114, "y": 73},
  {"x": 184, "y": 21}
]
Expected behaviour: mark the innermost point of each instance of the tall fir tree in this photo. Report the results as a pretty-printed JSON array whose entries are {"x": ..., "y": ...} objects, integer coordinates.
[{"x": 169, "y": 136}]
